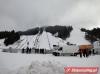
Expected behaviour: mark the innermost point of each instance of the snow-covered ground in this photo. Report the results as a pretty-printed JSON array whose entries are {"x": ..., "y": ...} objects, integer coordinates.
[{"x": 17, "y": 63}]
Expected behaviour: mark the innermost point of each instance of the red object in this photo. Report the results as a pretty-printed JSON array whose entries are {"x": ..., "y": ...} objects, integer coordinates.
[{"x": 81, "y": 70}]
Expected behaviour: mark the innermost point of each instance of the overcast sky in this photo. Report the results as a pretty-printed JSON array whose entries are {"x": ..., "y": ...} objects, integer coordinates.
[{"x": 26, "y": 14}]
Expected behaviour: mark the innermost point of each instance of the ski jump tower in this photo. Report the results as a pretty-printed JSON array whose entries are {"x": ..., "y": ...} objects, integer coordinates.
[{"x": 37, "y": 43}]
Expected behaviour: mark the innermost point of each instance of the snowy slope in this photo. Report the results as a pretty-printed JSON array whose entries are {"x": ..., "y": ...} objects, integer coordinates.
[
  {"x": 1, "y": 44},
  {"x": 77, "y": 37},
  {"x": 26, "y": 41},
  {"x": 17, "y": 63},
  {"x": 46, "y": 40}
]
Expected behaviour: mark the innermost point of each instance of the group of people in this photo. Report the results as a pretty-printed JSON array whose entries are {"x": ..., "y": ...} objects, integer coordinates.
[
  {"x": 85, "y": 52},
  {"x": 27, "y": 50}
]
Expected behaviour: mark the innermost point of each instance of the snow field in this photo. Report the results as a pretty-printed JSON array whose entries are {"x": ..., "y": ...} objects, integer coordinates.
[{"x": 17, "y": 63}]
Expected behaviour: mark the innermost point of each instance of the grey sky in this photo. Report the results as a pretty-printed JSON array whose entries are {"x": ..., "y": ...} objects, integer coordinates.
[{"x": 25, "y": 14}]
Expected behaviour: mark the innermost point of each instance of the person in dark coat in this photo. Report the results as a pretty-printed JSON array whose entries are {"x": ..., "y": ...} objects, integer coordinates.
[
  {"x": 80, "y": 52},
  {"x": 84, "y": 52},
  {"x": 93, "y": 51},
  {"x": 87, "y": 52},
  {"x": 27, "y": 50},
  {"x": 23, "y": 50}
]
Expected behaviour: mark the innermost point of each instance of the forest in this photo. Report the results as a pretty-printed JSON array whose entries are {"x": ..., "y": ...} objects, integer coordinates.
[{"x": 92, "y": 35}]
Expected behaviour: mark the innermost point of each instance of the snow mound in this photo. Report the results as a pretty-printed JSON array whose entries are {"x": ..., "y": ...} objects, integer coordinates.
[
  {"x": 37, "y": 67},
  {"x": 17, "y": 63}
]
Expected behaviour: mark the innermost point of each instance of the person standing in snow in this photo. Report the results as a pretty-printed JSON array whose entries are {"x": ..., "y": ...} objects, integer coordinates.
[
  {"x": 84, "y": 52},
  {"x": 27, "y": 50},
  {"x": 80, "y": 52},
  {"x": 23, "y": 50}
]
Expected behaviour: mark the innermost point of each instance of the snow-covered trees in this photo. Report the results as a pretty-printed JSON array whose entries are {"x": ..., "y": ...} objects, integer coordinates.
[
  {"x": 10, "y": 37},
  {"x": 92, "y": 35}
]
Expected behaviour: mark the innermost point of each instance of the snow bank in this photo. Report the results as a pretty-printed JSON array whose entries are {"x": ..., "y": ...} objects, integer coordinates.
[
  {"x": 37, "y": 67},
  {"x": 17, "y": 63}
]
